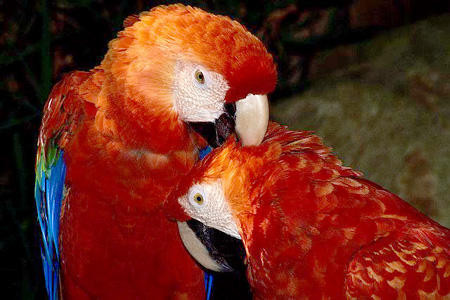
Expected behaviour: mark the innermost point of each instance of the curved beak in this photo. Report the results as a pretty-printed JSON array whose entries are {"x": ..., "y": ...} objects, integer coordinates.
[
  {"x": 213, "y": 249},
  {"x": 221, "y": 255},
  {"x": 252, "y": 119},
  {"x": 248, "y": 118}
]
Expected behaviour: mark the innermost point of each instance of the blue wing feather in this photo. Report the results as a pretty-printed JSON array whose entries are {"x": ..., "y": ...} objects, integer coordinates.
[{"x": 49, "y": 194}]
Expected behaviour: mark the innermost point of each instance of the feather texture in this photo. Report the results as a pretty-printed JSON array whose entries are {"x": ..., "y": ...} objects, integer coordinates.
[
  {"x": 49, "y": 193},
  {"x": 115, "y": 134},
  {"x": 315, "y": 229}
]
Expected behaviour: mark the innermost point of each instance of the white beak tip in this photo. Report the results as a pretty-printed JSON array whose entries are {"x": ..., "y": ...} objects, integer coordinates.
[{"x": 252, "y": 119}]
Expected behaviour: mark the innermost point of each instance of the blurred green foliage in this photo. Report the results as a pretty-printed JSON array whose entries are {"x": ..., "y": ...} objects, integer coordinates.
[{"x": 41, "y": 39}]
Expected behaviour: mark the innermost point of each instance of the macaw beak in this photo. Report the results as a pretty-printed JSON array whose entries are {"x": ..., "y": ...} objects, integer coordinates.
[
  {"x": 252, "y": 119},
  {"x": 214, "y": 250},
  {"x": 221, "y": 255},
  {"x": 248, "y": 118}
]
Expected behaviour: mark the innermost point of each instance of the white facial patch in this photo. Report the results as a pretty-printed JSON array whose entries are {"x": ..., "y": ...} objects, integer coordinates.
[
  {"x": 199, "y": 94},
  {"x": 206, "y": 203}
]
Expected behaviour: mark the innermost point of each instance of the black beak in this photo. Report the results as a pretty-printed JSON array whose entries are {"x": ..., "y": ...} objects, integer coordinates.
[
  {"x": 216, "y": 133},
  {"x": 229, "y": 253}
]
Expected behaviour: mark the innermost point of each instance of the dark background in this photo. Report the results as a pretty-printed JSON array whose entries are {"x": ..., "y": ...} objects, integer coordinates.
[{"x": 41, "y": 40}]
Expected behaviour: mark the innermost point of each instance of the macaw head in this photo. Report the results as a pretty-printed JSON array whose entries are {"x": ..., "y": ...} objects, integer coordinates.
[
  {"x": 178, "y": 68},
  {"x": 225, "y": 204},
  {"x": 215, "y": 203}
]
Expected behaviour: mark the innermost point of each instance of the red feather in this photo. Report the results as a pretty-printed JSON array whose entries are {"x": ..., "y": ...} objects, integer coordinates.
[
  {"x": 314, "y": 229},
  {"x": 125, "y": 147}
]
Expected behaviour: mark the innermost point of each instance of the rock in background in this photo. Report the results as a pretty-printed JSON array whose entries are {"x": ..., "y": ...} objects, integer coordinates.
[{"x": 384, "y": 107}]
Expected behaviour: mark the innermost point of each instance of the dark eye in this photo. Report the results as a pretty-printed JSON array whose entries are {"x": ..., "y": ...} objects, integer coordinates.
[
  {"x": 199, "y": 77},
  {"x": 198, "y": 198}
]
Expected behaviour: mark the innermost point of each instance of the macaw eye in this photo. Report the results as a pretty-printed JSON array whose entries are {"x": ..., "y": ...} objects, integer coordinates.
[
  {"x": 199, "y": 77},
  {"x": 202, "y": 78},
  {"x": 197, "y": 196}
]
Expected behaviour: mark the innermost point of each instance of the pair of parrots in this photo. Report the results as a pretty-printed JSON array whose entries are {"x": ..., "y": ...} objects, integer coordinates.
[{"x": 128, "y": 211}]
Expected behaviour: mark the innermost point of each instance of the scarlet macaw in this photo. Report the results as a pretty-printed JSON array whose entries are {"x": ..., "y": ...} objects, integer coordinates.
[
  {"x": 114, "y": 141},
  {"x": 311, "y": 228}
]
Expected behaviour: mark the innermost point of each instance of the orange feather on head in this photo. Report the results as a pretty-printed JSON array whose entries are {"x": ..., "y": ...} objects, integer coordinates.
[
  {"x": 264, "y": 165},
  {"x": 138, "y": 79},
  {"x": 226, "y": 48}
]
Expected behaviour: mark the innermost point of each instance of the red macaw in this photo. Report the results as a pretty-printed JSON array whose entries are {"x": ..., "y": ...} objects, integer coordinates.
[
  {"x": 114, "y": 141},
  {"x": 311, "y": 228}
]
